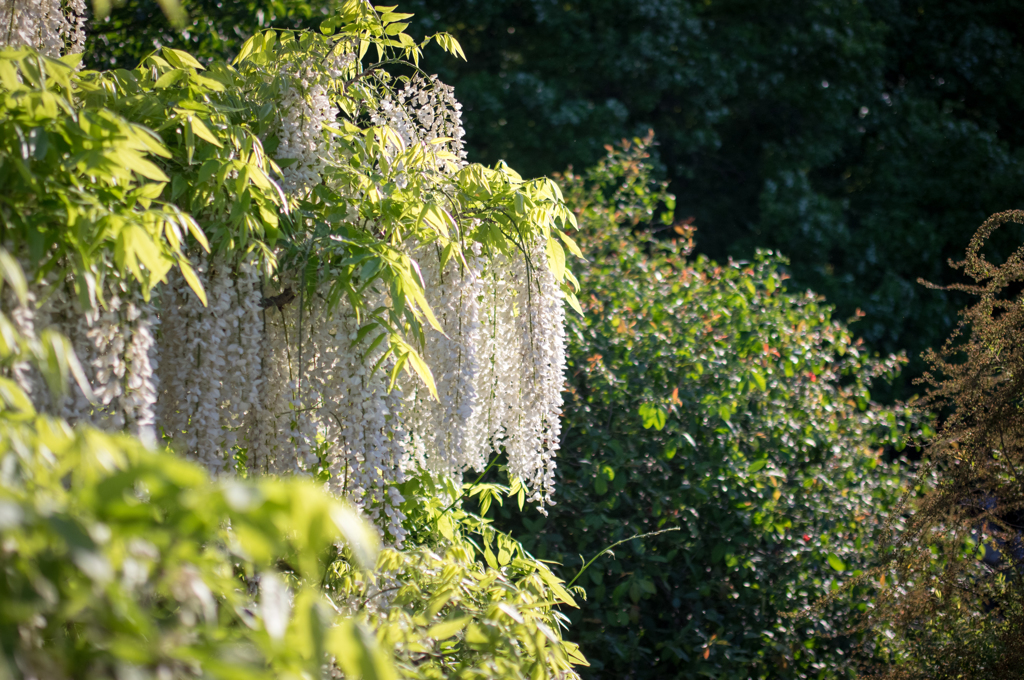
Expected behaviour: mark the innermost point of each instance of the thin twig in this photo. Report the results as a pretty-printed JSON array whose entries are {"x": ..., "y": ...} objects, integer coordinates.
[{"x": 615, "y": 545}]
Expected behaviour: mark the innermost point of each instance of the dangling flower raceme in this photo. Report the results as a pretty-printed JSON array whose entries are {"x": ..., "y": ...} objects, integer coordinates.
[
  {"x": 54, "y": 27},
  {"x": 113, "y": 338},
  {"x": 524, "y": 364},
  {"x": 426, "y": 113},
  {"x": 447, "y": 434},
  {"x": 305, "y": 109},
  {"x": 211, "y": 360}
]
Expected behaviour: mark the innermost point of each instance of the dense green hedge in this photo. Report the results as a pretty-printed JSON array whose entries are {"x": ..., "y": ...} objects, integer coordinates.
[{"x": 706, "y": 397}]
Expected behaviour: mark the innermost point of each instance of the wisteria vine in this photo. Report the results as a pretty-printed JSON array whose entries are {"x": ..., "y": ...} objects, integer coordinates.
[{"x": 369, "y": 306}]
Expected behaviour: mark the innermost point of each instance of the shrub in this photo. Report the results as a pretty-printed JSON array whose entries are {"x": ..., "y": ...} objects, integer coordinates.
[
  {"x": 956, "y": 608},
  {"x": 710, "y": 399}
]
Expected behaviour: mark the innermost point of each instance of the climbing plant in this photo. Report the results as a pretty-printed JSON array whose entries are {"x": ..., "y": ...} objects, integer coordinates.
[
  {"x": 280, "y": 265},
  {"x": 302, "y": 227}
]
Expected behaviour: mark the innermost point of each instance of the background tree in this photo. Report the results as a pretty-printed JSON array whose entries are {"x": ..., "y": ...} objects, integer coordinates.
[
  {"x": 708, "y": 397},
  {"x": 209, "y": 30}
]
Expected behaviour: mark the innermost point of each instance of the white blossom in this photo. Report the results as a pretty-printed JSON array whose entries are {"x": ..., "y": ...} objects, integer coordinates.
[
  {"x": 54, "y": 27},
  {"x": 447, "y": 435},
  {"x": 211, "y": 374},
  {"x": 113, "y": 338},
  {"x": 498, "y": 367},
  {"x": 534, "y": 428},
  {"x": 287, "y": 378},
  {"x": 425, "y": 112},
  {"x": 304, "y": 109},
  {"x": 23, "y": 318}
]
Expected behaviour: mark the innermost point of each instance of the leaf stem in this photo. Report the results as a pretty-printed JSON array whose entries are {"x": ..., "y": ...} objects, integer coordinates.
[{"x": 615, "y": 545}]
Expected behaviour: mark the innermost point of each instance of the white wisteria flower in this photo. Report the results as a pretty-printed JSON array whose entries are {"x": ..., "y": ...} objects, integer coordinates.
[
  {"x": 304, "y": 110},
  {"x": 54, "y": 27}
]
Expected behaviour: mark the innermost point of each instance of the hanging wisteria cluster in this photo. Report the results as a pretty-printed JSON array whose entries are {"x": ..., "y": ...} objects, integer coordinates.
[
  {"x": 54, "y": 27},
  {"x": 499, "y": 367},
  {"x": 306, "y": 395},
  {"x": 425, "y": 112},
  {"x": 115, "y": 344},
  {"x": 305, "y": 109},
  {"x": 276, "y": 372},
  {"x": 211, "y": 360}
]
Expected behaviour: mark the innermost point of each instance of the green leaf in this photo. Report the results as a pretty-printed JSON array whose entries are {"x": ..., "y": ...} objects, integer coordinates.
[
  {"x": 357, "y": 652},
  {"x": 444, "y": 525},
  {"x": 182, "y": 57},
  {"x": 423, "y": 371},
  {"x": 196, "y": 231},
  {"x": 438, "y": 218},
  {"x": 203, "y": 132},
  {"x": 359, "y": 535},
  {"x": 135, "y": 162},
  {"x": 571, "y": 245},
  {"x": 556, "y": 259},
  {"x": 192, "y": 280},
  {"x": 11, "y": 273},
  {"x": 492, "y": 562},
  {"x": 757, "y": 465},
  {"x": 836, "y": 563},
  {"x": 573, "y": 301},
  {"x": 446, "y": 629},
  {"x": 168, "y": 79},
  {"x": 653, "y": 416},
  {"x": 14, "y": 398}
]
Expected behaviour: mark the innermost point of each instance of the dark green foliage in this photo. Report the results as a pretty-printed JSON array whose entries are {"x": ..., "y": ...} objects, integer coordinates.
[
  {"x": 213, "y": 30},
  {"x": 708, "y": 397}
]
